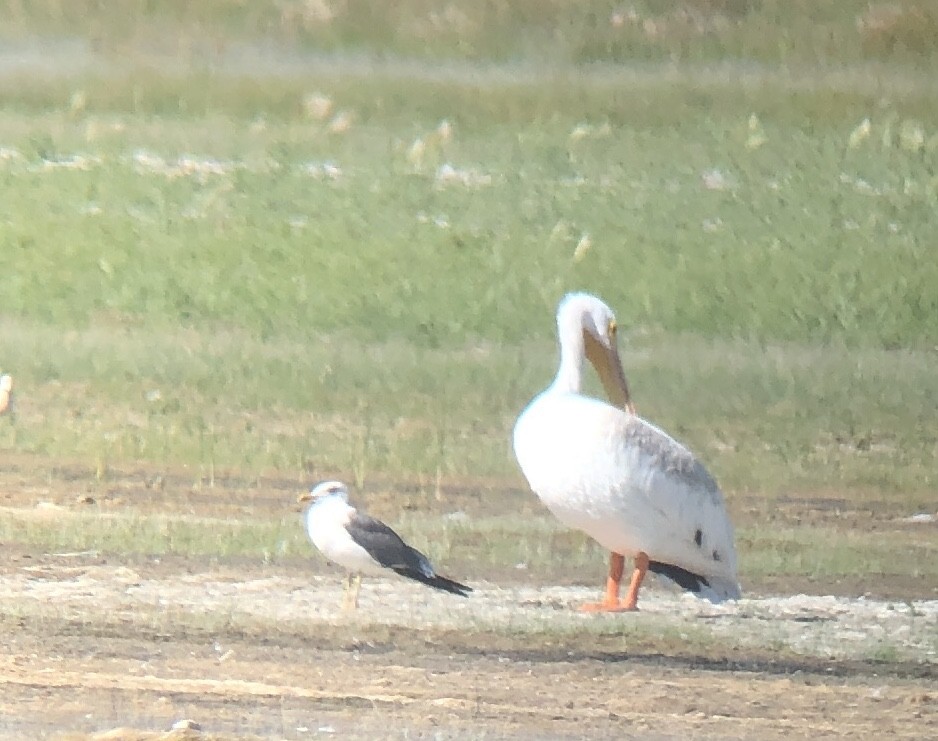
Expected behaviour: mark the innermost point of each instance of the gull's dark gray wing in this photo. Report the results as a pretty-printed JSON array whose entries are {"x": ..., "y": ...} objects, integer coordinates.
[{"x": 388, "y": 548}]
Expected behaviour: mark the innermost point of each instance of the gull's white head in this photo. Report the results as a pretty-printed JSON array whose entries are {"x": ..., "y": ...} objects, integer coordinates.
[
  {"x": 582, "y": 315},
  {"x": 325, "y": 489}
]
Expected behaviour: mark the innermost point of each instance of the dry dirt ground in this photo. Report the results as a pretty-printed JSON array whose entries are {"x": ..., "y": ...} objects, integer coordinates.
[{"x": 102, "y": 646}]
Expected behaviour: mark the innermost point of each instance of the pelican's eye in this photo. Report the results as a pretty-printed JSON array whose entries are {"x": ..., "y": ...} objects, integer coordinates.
[{"x": 613, "y": 327}]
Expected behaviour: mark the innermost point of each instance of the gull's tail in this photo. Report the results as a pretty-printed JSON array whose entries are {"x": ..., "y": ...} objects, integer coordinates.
[
  {"x": 436, "y": 581},
  {"x": 448, "y": 585}
]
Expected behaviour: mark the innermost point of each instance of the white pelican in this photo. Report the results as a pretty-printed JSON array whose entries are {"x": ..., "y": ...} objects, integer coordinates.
[
  {"x": 6, "y": 393},
  {"x": 364, "y": 545},
  {"x": 604, "y": 470}
]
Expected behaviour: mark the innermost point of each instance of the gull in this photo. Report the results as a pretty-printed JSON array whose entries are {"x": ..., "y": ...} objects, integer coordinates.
[{"x": 364, "y": 545}]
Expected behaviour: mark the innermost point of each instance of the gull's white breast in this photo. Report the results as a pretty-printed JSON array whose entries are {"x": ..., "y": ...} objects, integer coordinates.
[{"x": 326, "y": 522}]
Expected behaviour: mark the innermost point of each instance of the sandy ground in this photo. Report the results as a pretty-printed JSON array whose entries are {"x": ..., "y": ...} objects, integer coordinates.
[
  {"x": 92, "y": 646},
  {"x": 98, "y": 646},
  {"x": 273, "y": 656}
]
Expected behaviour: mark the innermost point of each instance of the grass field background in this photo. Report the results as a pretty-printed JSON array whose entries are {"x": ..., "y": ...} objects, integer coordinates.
[{"x": 329, "y": 238}]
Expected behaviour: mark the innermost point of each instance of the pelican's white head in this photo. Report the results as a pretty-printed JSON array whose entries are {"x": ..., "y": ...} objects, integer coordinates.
[
  {"x": 588, "y": 314},
  {"x": 587, "y": 327}
]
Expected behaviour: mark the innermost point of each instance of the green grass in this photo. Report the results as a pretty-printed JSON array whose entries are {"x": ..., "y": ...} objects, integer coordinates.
[
  {"x": 801, "y": 239},
  {"x": 769, "y": 420},
  {"x": 824, "y": 552},
  {"x": 381, "y": 322},
  {"x": 59, "y": 529},
  {"x": 534, "y": 548}
]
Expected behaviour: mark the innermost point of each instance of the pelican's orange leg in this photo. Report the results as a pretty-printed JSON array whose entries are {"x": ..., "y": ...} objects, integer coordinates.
[
  {"x": 638, "y": 576},
  {"x": 611, "y": 602}
]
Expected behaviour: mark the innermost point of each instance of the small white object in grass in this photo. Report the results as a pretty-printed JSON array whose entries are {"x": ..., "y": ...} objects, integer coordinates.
[
  {"x": 186, "y": 724},
  {"x": 921, "y": 517},
  {"x": 911, "y": 136},
  {"x": 582, "y": 247},
  {"x": 317, "y": 106},
  {"x": 715, "y": 179},
  {"x": 258, "y": 125},
  {"x": 621, "y": 17},
  {"x": 446, "y": 174},
  {"x": 860, "y": 185},
  {"x": 82, "y": 162},
  {"x": 6, "y": 392},
  {"x": 712, "y": 225},
  {"x": 185, "y": 165},
  {"x": 341, "y": 122},
  {"x": 860, "y": 134},
  {"x": 444, "y": 131},
  {"x": 416, "y": 152},
  {"x": 189, "y": 165},
  {"x": 75, "y": 554},
  {"x": 561, "y": 231},
  {"x": 584, "y": 130},
  {"x": 148, "y": 160},
  {"x": 77, "y": 103},
  {"x": 322, "y": 170},
  {"x": 757, "y": 135},
  {"x": 580, "y": 131},
  {"x": 440, "y": 220}
]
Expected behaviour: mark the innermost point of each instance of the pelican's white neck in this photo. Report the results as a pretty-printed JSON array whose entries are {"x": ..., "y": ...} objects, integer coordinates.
[{"x": 570, "y": 319}]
